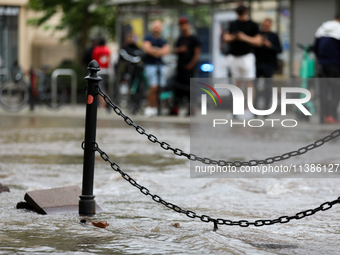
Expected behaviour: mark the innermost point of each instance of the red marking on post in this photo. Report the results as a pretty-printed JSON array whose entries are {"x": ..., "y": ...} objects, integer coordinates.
[{"x": 89, "y": 99}]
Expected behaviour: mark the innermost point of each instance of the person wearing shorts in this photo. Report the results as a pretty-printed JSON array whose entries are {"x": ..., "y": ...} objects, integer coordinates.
[
  {"x": 155, "y": 48},
  {"x": 243, "y": 35}
]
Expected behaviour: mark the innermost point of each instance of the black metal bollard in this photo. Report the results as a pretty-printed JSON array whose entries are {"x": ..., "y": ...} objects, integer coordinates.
[{"x": 87, "y": 204}]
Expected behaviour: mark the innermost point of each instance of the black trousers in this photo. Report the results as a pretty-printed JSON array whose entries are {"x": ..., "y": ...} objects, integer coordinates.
[
  {"x": 265, "y": 70},
  {"x": 329, "y": 91},
  {"x": 182, "y": 87}
]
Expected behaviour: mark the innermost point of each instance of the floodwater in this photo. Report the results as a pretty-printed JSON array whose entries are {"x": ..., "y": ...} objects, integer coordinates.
[{"x": 40, "y": 152}]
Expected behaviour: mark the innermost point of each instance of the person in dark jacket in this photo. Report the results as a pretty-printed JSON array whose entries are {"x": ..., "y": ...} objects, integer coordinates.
[
  {"x": 266, "y": 59},
  {"x": 243, "y": 36},
  {"x": 327, "y": 50},
  {"x": 188, "y": 50}
]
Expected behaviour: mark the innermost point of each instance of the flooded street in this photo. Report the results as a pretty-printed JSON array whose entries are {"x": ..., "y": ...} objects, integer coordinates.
[{"x": 41, "y": 152}]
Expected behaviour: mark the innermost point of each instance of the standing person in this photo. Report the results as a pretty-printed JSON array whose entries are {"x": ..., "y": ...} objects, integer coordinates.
[
  {"x": 155, "y": 48},
  {"x": 266, "y": 59},
  {"x": 243, "y": 36},
  {"x": 188, "y": 50},
  {"x": 327, "y": 50},
  {"x": 101, "y": 53},
  {"x": 130, "y": 44},
  {"x": 87, "y": 57}
]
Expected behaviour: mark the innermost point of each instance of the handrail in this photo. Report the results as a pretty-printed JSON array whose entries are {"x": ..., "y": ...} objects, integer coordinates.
[
  {"x": 69, "y": 72},
  {"x": 6, "y": 72}
]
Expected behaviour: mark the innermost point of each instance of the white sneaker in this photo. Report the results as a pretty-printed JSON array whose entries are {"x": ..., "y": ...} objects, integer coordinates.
[
  {"x": 150, "y": 111},
  {"x": 154, "y": 111}
]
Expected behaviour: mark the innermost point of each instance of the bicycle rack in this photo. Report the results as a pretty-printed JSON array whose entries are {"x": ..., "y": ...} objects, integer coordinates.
[
  {"x": 5, "y": 72},
  {"x": 68, "y": 72}
]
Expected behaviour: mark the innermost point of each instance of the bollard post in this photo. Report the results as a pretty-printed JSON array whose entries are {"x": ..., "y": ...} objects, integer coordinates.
[{"x": 87, "y": 204}]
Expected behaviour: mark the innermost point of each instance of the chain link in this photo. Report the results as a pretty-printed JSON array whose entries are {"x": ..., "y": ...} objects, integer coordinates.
[
  {"x": 166, "y": 146},
  {"x": 205, "y": 218}
]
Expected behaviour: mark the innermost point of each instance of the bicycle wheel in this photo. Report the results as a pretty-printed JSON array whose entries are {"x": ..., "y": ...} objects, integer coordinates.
[{"x": 14, "y": 95}]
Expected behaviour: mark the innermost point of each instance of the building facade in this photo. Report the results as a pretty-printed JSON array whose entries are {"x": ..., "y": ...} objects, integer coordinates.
[
  {"x": 27, "y": 45},
  {"x": 295, "y": 21}
]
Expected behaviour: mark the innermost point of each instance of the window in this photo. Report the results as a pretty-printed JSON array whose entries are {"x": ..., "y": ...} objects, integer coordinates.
[{"x": 8, "y": 36}]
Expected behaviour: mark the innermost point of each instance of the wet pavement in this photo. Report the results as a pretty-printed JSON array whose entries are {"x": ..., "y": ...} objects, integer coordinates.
[{"x": 43, "y": 150}]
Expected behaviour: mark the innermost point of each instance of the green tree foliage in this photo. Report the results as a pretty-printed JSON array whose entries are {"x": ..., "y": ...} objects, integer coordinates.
[{"x": 78, "y": 17}]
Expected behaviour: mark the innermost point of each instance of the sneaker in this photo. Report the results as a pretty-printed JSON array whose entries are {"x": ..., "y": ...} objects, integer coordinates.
[
  {"x": 329, "y": 119},
  {"x": 150, "y": 111},
  {"x": 154, "y": 111}
]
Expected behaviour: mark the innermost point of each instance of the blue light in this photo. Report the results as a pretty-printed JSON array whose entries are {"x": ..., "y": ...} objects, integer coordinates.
[{"x": 207, "y": 67}]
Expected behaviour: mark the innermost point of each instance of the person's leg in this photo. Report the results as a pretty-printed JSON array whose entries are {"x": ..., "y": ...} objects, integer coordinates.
[
  {"x": 330, "y": 93},
  {"x": 259, "y": 73},
  {"x": 152, "y": 97},
  {"x": 174, "y": 109},
  {"x": 236, "y": 70},
  {"x": 235, "y": 65},
  {"x": 186, "y": 83},
  {"x": 182, "y": 88},
  {"x": 334, "y": 72},
  {"x": 329, "y": 101},
  {"x": 323, "y": 95},
  {"x": 268, "y": 89},
  {"x": 334, "y": 89},
  {"x": 250, "y": 72},
  {"x": 245, "y": 70},
  {"x": 177, "y": 90},
  {"x": 150, "y": 71},
  {"x": 327, "y": 91}
]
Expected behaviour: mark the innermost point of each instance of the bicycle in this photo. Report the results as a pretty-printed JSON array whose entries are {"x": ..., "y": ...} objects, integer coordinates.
[
  {"x": 16, "y": 93},
  {"x": 131, "y": 84}
]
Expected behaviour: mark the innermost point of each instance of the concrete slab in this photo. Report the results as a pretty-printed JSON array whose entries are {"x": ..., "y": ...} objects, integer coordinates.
[{"x": 55, "y": 201}]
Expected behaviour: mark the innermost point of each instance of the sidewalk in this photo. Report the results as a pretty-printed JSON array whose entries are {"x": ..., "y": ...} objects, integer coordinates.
[{"x": 80, "y": 110}]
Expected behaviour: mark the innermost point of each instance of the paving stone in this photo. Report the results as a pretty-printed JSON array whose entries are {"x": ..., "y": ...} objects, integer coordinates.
[{"x": 55, "y": 201}]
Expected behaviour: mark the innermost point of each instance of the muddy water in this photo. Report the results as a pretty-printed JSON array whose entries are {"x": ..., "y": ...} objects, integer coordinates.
[{"x": 44, "y": 152}]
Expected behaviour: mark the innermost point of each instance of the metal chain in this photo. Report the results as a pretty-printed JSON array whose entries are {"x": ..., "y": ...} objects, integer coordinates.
[
  {"x": 166, "y": 146},
  {"x": 205, "y": 218}
]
